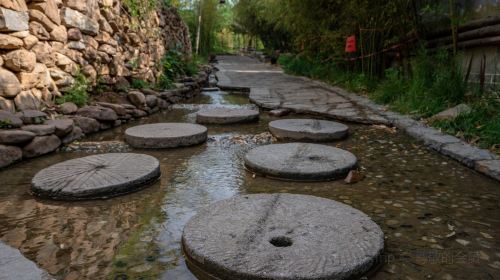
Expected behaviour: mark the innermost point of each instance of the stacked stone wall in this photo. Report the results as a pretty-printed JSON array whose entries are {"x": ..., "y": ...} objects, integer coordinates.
[{"x": 45, "y": 43}]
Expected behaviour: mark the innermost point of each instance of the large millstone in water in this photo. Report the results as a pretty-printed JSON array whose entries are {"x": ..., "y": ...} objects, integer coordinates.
[
  {"x": 165, "y": 135},
  {"x": 308, "y": 130},
  {"x": 227, "y": 116},
  {"x": 282, "y": 236},
  {"x": 300, "y": 161},
  {"x": 97, "y": 176}
]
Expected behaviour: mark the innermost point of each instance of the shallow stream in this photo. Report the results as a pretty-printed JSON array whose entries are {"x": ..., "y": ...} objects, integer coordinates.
[{"x": 441, "y": 219}]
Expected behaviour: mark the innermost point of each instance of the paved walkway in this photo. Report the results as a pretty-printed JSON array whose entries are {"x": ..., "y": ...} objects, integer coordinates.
[{"x": 270, "y": 88}]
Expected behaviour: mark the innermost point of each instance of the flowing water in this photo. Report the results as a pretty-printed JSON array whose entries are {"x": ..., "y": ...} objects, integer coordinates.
[{"x": 441, "y": 219}]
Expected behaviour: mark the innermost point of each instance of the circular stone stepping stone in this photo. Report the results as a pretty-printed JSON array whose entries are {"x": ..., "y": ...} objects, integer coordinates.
[
  {"x": 165, "y": 135},
  {"x": 300, "y": 161},
  {"x": 227, "y": 116},
  {"x": 308, "y": 129},
  {"x": 97, "y": 176},
  {"x": 282, "y": 236}
]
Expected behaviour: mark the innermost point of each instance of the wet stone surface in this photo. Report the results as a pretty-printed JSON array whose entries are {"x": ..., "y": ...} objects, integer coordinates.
[
  {"x": 98, "y": 176},
  {"x": 308, "y": 130},
  {"x": 423, "y": 201},
  {"x": 165, "y": 135},
  {"x": 282, "y": 236},
  {"x": 227, "y": 116},
  {"x": 300, "y": 161}
]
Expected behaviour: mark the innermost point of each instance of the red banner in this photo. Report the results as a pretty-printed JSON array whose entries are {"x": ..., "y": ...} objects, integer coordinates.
[{"x": 350, "y": 45}]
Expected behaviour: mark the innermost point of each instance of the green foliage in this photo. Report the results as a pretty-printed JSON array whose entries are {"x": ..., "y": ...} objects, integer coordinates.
[
  {"x": 436, "y": 84},
  {"x": 481, "y": 125},
  {"x": 4, "y": 124},
  {"x": 77, "y": 93},
  {"x": 139, "y": 84},
  {"x": 174, "y": 65},
  {"x": 391, "y": 88},
  {"x": 140, "y": 8}
]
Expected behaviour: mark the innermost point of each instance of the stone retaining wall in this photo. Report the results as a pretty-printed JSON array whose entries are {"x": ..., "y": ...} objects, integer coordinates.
[{"x": 44, "y": 43}]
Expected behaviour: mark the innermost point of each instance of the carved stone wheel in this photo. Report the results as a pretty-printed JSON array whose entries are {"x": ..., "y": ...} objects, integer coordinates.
[
  {"x": 282, "y": 236},
  {"x": 165, "y": 135},
  {"x": 97, "y": 176},
  {"x": 300, "y": 161},
  {"x": 308, "y": 130},
  {"x": 227, "y": 116}
]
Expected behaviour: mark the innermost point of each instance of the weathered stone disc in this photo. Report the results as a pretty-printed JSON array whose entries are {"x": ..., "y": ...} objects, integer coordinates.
[
  {"x": 282, "y": 236},
  {"x": 227, "y": 116},
  {"x": 300, "y": 161},
  {"x": 97, "y": 176},
  {"x": 165, "y": 135},
  {"x": 308, "y": 130}
]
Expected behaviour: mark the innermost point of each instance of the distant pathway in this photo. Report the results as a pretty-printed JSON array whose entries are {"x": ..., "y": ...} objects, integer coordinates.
[{"x": 271, "y": 88}]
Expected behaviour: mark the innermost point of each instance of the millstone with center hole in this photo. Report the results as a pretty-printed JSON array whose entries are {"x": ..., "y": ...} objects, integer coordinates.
[
  {"x": 281, "y": 236},
  {"x": 300, "y": 161},
  {"x": 97, "y": 176},
  {"x": 226, "y": 116},
  {"x": 308, "y": 130},
  {"x": 165, "y": 135}
]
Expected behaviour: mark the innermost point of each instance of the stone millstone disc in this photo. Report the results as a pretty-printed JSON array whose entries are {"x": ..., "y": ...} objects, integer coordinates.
[
  {"x": 308, "y": 130},
  {"x": 165, "y": 135},
  {"x": 97, "y": 176},
  {"x": 282, "y": 236},
  {"x": 300, "y": 161},
  {"x": 227, "y": 116}
]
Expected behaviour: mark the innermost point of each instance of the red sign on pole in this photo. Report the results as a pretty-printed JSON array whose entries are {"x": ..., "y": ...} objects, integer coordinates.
[{"x": 350, "y": 45}]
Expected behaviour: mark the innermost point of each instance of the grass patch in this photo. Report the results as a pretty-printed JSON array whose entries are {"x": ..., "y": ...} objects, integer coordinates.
[
  {"x": 174, "y": 64},
  {"x": 77, "y": 93},
  {"x": 139, "y": 84}
]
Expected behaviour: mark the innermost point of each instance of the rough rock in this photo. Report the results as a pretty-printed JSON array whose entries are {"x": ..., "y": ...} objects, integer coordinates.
[
  {"x": 40, "y": 129},
  {"x": 39, "y": 31},
  {"x": 15, "y": 136},
  {"x": 88, "y": 125},
  {"x": 20, "y": 60},
  {"x": 353, "y": 177},
  {"x": 9, "y": 84},
  {"x": 16, "y": 5},
  {"x": 8, "y": 118},
  {"x": 282, "y": 236},
  {"x": 41, "y": 145},
  {"x": 119, "y": 109},
  {"x": 165, "y": 135},
  {"x": 151, "y": 101},
  {"x": 308, "y": 130},
  {"x": 97, "y": 176},
  {"x": 32, "y": 116},
  {"x": 68, "y": 108},
  {"x": 75, "y": 134},
  {"x": 226, "y": 116},
  {"x": 98, "y": 113},
  {"x": 48, "y": 8},
  {"x": 300, "y": 161},
  {"x": 11, "y": 20},
  {"x": 62, "y": 126},
  {"x": 10, "y": 154},
  {"x": 74, "y": 19},
  {"x": 7, "y": 105},
  {"x": 27, "y": 101},
  {"x": 8, "y": 42},
  {"x": 137, "y": 98},
  {"x": 279, "y": 112},
  {"x": 452, "y": 113}
]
